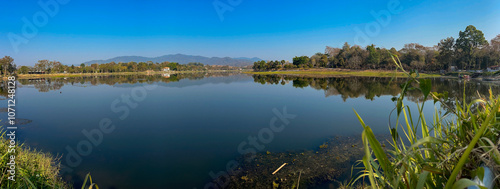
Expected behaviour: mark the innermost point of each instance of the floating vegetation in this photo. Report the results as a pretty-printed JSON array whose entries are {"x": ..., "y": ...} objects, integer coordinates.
[
  {"x": 324, "y": 145},
  {"x": 332, "y": 161}
]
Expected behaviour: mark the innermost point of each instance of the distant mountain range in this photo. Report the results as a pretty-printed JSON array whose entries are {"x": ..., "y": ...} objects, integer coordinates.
[{"x": 182, "y": 59}]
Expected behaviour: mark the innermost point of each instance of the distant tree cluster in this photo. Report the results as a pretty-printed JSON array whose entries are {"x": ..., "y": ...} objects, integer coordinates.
[
  {"x": 271, "y": 65},
  {"x": 469, "y": 51}
]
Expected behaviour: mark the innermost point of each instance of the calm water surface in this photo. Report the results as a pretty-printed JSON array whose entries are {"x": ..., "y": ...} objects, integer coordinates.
[{"x": 181, "y": 128}]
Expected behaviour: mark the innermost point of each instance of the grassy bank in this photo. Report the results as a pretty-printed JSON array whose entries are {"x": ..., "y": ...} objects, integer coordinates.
[
  {"x": 340, "y": 72},
  {"x": 33, "y": 169}
]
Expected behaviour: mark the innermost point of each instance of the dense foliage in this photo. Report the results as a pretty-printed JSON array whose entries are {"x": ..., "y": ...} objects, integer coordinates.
[{"x": 469, "y": 51}]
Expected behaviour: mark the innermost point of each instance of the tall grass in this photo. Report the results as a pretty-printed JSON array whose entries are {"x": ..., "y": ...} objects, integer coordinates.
[
  {"x": 34, "y": 169},
  {"x": 447, "y": 153}
]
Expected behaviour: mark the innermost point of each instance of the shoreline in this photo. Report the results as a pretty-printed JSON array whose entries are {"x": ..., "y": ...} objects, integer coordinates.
[
  {"x": 340, "y": 72},
  {"x": 328, "y": 72}
]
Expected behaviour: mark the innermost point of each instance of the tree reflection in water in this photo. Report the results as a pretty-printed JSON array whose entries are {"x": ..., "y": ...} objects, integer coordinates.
[{"x": 371, "y": 87}]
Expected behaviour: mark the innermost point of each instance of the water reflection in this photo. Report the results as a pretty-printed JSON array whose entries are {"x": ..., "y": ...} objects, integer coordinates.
[
  {"x": 346, "y": 87},
  {"x": 50, "y": 84},
  {"x": 371, "y": 87}
]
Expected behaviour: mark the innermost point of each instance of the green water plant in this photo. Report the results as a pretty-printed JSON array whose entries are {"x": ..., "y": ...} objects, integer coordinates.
[
  {"x": 447, "y": 153},
  {"x": 91, "y": 184},
  {"x": 33, "y": 169}
]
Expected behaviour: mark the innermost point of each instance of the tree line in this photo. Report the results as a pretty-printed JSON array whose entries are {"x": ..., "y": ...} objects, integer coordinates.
[{"x": 469, "y": 51}]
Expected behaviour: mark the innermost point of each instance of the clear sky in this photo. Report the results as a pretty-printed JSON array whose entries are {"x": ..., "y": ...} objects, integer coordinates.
[{"x": 83, "y": 30}]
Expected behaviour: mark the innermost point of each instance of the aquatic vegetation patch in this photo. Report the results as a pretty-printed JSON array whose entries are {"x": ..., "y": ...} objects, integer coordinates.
[{"x": 328, "y": 163}]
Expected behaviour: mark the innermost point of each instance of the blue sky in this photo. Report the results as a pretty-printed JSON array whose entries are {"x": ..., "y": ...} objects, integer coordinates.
[{"x": 80, "y": 30}]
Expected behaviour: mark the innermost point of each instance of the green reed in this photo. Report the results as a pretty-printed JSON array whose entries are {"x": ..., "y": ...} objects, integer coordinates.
[
  {"x": 34, "y": 169},
  {"x": 447, "y": 153}
]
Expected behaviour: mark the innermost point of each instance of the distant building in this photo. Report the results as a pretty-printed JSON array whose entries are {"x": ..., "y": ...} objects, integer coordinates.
[
  {"x": 36, "y": 72},
  {"x": 452, "y": 68},
  {"x": 166, "y": 69},
  {"x": 493, "y": 68}
]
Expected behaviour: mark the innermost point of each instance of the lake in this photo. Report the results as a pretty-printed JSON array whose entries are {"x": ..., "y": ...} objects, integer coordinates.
[{"x": 180, "y": 131}]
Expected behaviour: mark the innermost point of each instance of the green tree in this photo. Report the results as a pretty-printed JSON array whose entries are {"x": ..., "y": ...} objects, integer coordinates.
[
  {"x": 132, "y": 66},
  {"x": 343, "y": 56},
  {"x": 23, "y": 70},
  {"x": 55, "y": 67},
  {"x": 494, "y": 49},
  {"x": 467, "y": 42},
  {"x": 355, "y": 57},
  {"x": 431, "y": 62},
  {"x": 6, "y": 62},
  {"x": 142, "y": 66},
  {"x": 42, "y": 65},
  {"x": 413, "y": 55},
  {"x": 172, "y": 65},
  {"x": 300, "y": 61},
  {"x": 323, "y": 61},
  {"x": 495, "y": 43},
  {"x": 373, "y": 57},
  {"x": 195, "y": 64},
  {"x": 446, "y": 52},
  {"x": 259, "y": 65}
]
